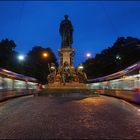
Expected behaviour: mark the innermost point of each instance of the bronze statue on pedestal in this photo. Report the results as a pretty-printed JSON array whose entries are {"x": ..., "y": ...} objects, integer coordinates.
[
  {"x": 66, "y": 72},
  {"x": 66, "y": 32}
]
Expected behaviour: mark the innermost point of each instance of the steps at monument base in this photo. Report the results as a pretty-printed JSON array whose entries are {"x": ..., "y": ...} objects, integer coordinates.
[
  {"x": 69, "y": 88},
  {"x": 72, "y": 85},
  {"x": 69, "y": 92}
]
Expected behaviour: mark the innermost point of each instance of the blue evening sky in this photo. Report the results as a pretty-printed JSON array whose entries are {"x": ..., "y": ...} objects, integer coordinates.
[{"x": 96, "y": 24}]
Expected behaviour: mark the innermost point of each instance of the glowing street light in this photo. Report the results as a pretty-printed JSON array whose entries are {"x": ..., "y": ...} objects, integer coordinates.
[
  {"x": 52, "y": 67},
  {"x": 88, "y": 55},
  {"x": 21, "y": 62},
  {"x": 21, "y": 57},
  {"x": 45, "y": 55},
  {"x": 80, "y": 67}
]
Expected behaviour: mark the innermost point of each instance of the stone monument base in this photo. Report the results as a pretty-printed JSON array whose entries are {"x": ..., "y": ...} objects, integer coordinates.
[
  {"x": 72, "y": 85},
  {"x": 74, "y": 89}
]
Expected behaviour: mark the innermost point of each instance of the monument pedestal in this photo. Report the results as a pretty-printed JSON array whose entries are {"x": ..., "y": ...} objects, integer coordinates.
[
  {"x": 66, "y": 55},
  {"x": 66, "y": 76},
  {"x": 73, "y": 85},
  {"x": 70, "y": 88}
]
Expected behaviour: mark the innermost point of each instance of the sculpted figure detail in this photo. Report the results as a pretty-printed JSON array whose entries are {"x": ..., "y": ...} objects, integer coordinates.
[{"x": 66, "y": 32}]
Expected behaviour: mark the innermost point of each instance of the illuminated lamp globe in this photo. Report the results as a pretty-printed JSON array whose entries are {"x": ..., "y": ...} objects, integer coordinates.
[
  {"x": 88, "y": 55},
  {"x": 45, "y": 55},
  {"x": 21, "y": 57}
]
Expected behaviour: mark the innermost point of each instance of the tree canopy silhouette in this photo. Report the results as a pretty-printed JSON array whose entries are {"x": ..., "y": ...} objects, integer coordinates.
[
  {"x": 8, "y": 55},
  {"x": 34, "y": 65},
  {"x": 123, "y": 53},
  {"x": 37, "y": 65}
]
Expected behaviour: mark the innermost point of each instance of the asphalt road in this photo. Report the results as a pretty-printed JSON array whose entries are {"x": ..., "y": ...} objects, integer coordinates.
[{"x": 44, "y": 117}]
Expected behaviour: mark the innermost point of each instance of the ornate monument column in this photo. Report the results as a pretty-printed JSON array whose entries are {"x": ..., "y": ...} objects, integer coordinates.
[
  {"x": 66, "y": 73},
  {"x": 66, "y": 51}
]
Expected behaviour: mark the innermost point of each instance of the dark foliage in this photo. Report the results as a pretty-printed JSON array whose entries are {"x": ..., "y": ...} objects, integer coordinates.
[
  {"x": 36, "y": 65},
  {"x": 123, "y": 53},
  {"x": 8, "y": 56}
]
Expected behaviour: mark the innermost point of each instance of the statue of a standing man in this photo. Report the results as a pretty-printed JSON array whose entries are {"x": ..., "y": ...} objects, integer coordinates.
[{"x": 66, "y": 32}]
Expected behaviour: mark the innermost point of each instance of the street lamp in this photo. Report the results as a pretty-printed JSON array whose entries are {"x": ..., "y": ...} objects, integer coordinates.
[
  {"x": 88, "y": 55},
  {"x": 80, "y": 67},
  {"x": 21, "y": 57},
  {"x": 45, "y": 55}
]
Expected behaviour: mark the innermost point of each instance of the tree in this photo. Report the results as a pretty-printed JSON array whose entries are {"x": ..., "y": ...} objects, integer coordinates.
[
  {"x": 123, "y": 53},
  {"x": 7, "y": 54},
  {"x": 37, "y": 65}
]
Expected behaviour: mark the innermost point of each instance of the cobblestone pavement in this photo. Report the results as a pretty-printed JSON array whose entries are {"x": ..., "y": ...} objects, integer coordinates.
[{"x": 44, "y": 117}]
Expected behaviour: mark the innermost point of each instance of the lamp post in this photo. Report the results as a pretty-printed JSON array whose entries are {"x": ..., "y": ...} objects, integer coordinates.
[
  {"x": 81, "y": 74},
  {"x": 21, "y": 59},
  {"x": 45, "y": 55}
]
